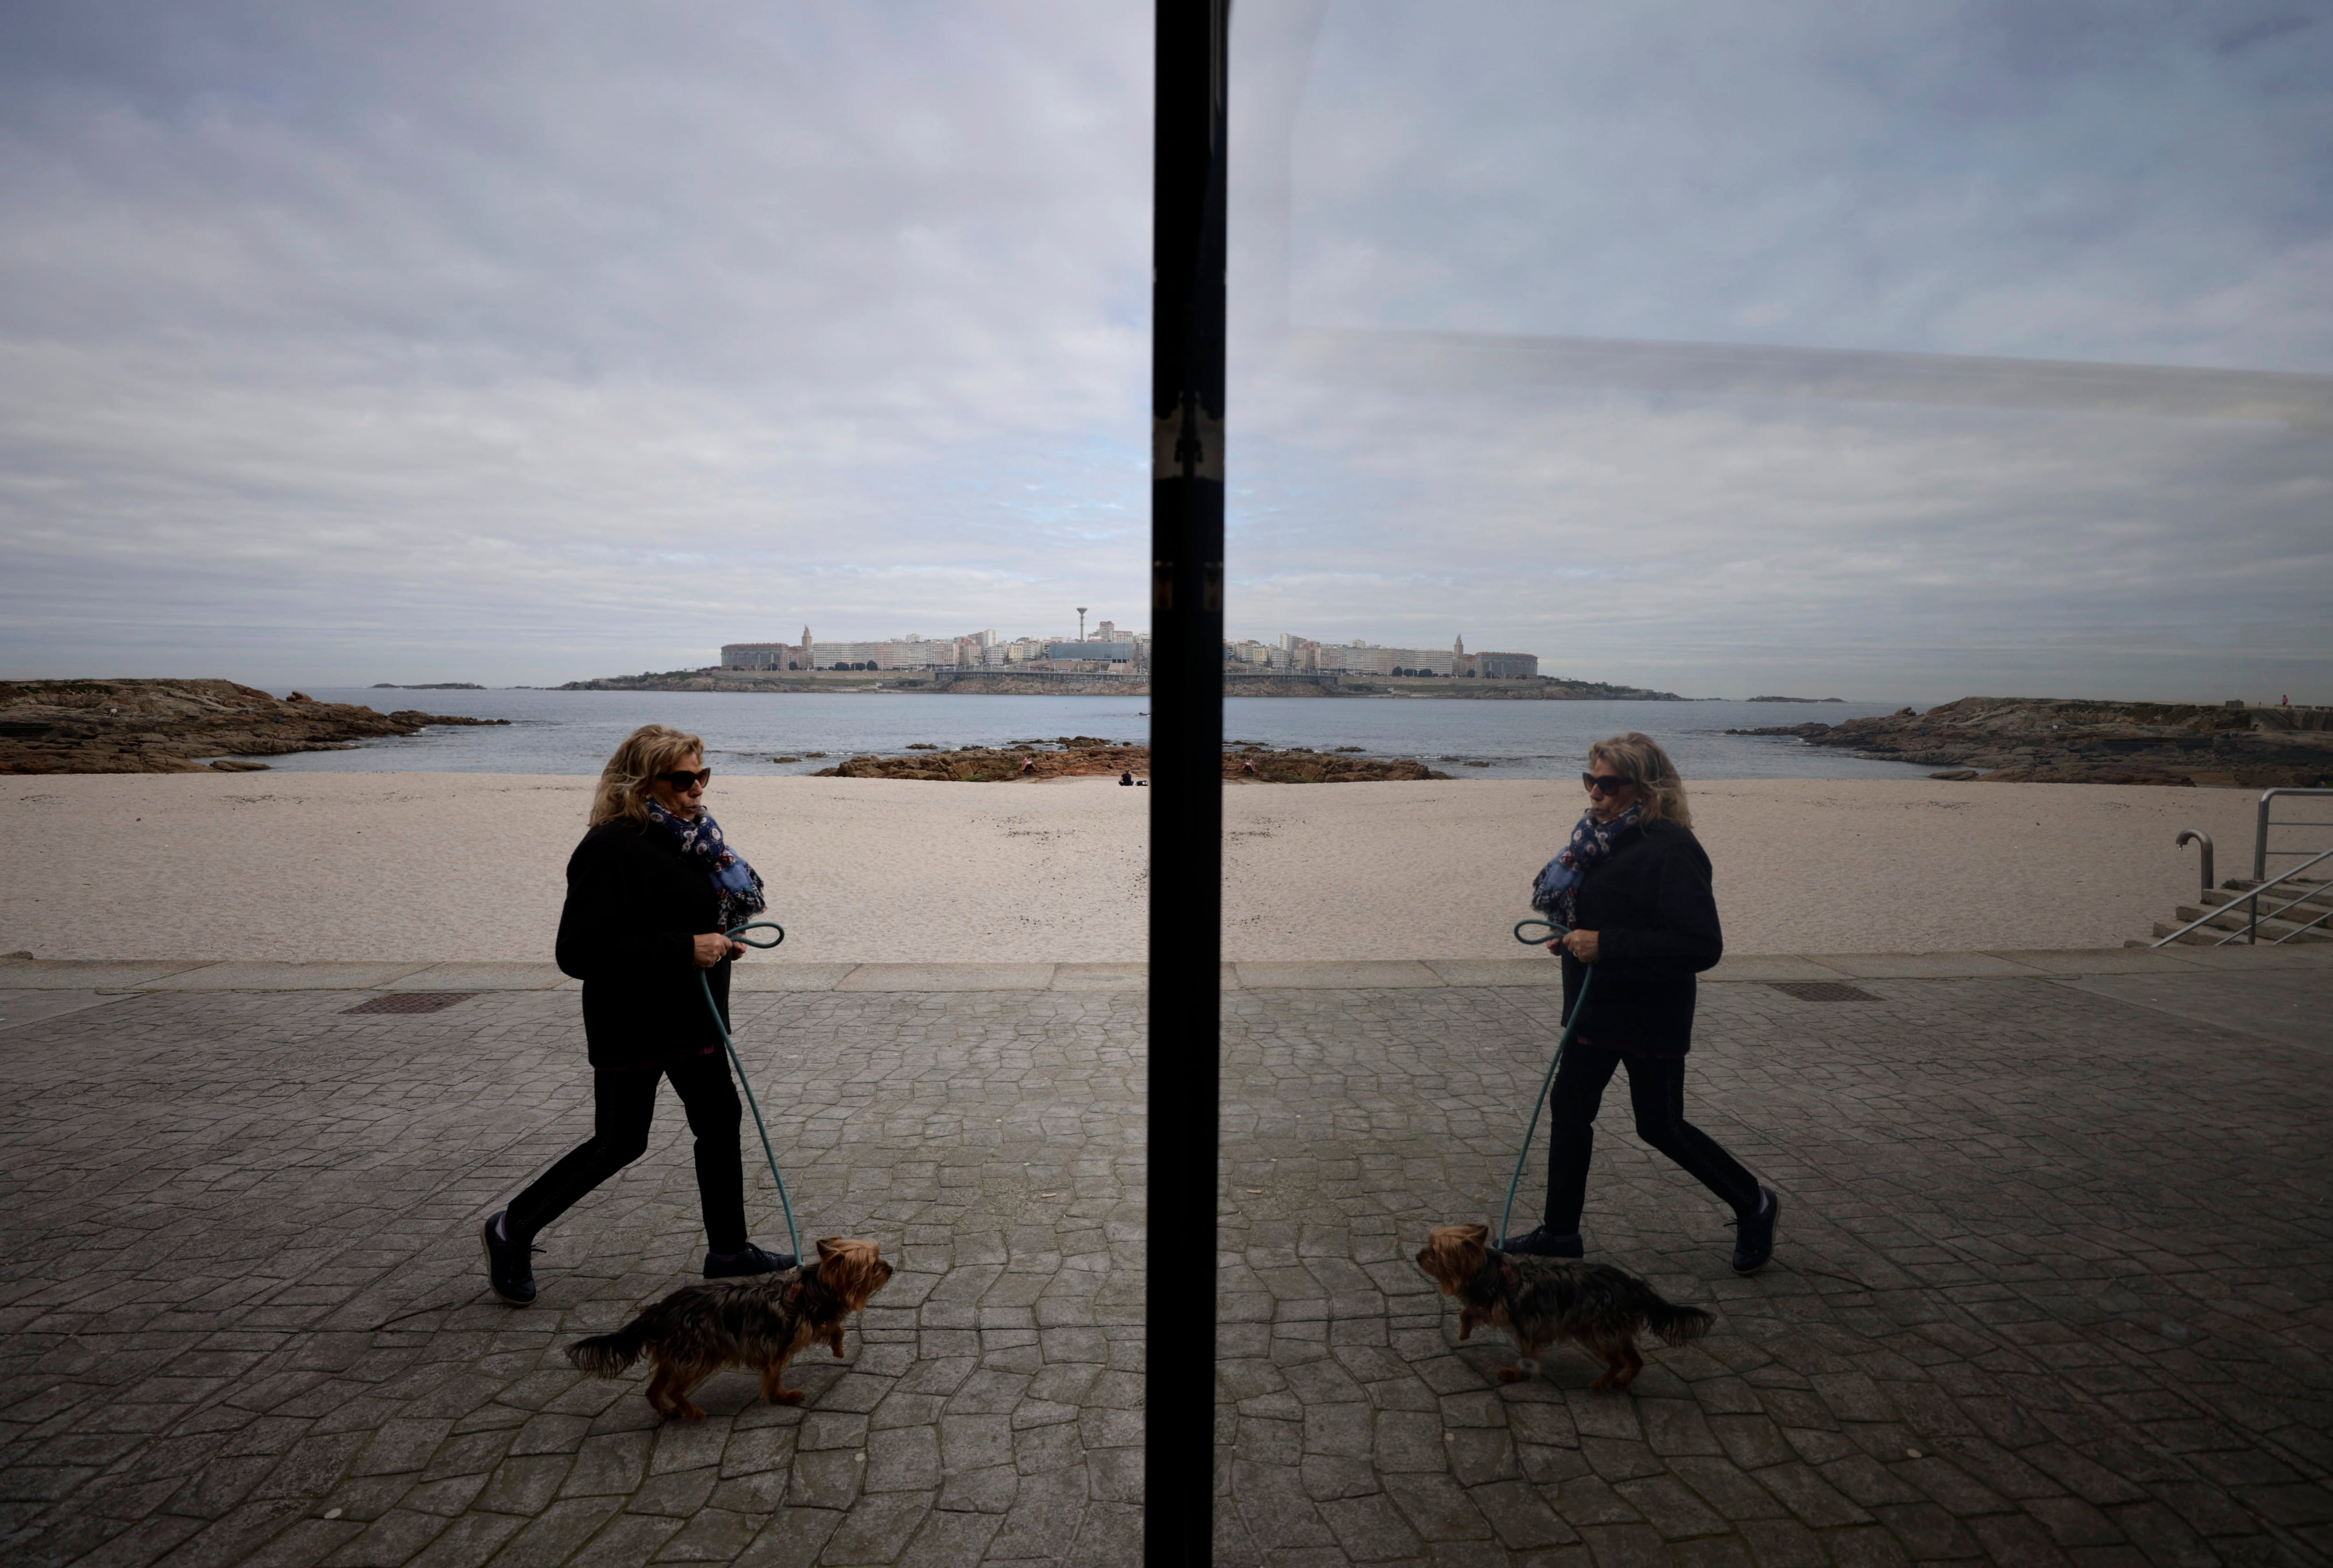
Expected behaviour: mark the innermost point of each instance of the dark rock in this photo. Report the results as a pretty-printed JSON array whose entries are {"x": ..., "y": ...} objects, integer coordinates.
[
  {"x": 2057, "y": 741},
  {"x": 1088, "y": 756},
  {"x": 2080, "y": 775},
  {"x": 171, "y": 726}
]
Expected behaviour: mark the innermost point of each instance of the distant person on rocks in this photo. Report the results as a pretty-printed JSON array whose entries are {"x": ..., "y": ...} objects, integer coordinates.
[
  {"x": 649, "y": 891},
  {"x": 1632, "y": 887}
]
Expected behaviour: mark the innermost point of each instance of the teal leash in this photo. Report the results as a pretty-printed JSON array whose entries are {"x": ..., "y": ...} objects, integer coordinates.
[
  {"x": 1530, "y": 1130},
  {"x": 704, "y": 980}
]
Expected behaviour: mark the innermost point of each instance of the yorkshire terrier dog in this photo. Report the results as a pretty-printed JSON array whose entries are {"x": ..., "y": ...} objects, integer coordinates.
[
  {"x": 1544, "y": 1300},
  {"x": 760, "y": 1322}
]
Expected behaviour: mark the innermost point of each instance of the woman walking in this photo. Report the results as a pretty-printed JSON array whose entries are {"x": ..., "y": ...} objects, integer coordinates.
[
  {"x": 649, "y": 891},
  {"x": 1634, "y": 887}
]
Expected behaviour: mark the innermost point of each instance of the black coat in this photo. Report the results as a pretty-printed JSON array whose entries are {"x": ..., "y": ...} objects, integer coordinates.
[
  {"x": 636, "y": 903},
  {"x": 1655, "y": 917}
]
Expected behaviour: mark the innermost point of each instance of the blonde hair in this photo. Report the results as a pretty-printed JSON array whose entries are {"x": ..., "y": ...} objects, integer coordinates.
[
  {"x": 646, "y": 751},
  {"x": 1638, "y": 758}
]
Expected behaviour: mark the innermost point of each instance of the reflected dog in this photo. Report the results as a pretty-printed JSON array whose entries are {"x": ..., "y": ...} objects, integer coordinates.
[
  {"x": 1543, "y": 1301},
  {"x": 761, "y": 1322}
]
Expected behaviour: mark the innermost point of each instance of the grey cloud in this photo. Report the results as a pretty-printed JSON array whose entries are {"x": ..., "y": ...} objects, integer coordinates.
[
  {"x": 525, "y": 341},
  {"x": 2077, "y": 181},
  {"x": 1497, "y": 231},
  {"x": 625, "y": 327}
]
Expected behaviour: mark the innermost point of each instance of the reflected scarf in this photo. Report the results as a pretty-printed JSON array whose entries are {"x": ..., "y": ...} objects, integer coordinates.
[
  {"x": 738, "y": 883},
  {"x": 1555, "y": 891}
]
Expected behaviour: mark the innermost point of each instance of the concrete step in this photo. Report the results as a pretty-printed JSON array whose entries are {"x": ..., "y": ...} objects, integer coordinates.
[
  {"x": 2311, "y": 903},
  {"x": 2306, "y": 888},
  {"x": 2208, "y": 936},
  {"x": 2232, "y": 915},
  {"x": 2228, "y": 918}
]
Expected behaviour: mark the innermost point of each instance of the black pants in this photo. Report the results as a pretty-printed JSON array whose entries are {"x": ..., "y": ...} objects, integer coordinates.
[
  {"x": 623, "y": 1103},
  {"x": 1656, "y": 1093}
]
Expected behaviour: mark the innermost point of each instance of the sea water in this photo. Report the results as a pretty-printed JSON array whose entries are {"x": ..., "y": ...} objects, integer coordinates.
[{"x": 552, "y": 731}]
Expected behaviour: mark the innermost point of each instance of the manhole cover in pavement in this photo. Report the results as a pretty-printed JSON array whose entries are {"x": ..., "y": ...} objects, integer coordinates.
[
  {"x": 411, "y": 1002},
  {"x": 1821, "y": 991}
]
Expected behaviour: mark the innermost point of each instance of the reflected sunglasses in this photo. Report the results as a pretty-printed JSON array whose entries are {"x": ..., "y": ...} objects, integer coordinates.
[
  {"x": 682, "y": 778},
  {"x": 1605, "y": 783}
]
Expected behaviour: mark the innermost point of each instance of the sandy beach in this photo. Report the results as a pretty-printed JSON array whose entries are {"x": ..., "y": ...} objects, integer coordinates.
[{"x": 427, "y": 866}]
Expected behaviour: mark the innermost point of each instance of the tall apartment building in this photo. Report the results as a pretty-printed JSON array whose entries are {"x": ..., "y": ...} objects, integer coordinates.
[
  {"x": 1369, "y": 659},
  {"x": 910, "y": 653}
]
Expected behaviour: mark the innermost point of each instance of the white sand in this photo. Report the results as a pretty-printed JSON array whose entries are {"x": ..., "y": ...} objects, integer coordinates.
[{"x": 429, "y": 866}]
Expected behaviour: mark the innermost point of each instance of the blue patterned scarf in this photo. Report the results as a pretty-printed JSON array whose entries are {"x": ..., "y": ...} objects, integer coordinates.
[
  {"x": 1555, "y": 891},
  {"x": 738, "y": 884}
]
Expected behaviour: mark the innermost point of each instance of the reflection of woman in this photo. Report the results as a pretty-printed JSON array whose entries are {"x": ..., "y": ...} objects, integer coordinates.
[
  {"x": 649, "y": 891},
  {"x": 1633, "y": 886}
]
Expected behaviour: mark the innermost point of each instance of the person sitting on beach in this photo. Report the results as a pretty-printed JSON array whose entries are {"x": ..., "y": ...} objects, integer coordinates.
[
  {"x": 1633, "y": 886},
  {"x": 650, "y": 890}
]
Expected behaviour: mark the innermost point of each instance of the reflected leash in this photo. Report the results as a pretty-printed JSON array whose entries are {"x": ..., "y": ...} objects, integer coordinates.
[
  {"x": 1530, "y": 1128},
  {"x": 705, "y": 980}
]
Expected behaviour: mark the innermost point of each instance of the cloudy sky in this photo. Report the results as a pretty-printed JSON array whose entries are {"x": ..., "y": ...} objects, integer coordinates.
[{"x": 522, "y": 342}]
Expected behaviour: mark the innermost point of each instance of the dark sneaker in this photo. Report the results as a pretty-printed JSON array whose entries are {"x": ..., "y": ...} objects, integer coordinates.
[
  {"x": 752, "y": 1260},
  {"x": 508, "y": 1267},
  {"x": 1545, "y": 1243},
  {"x": 1754, "y": 1238}
]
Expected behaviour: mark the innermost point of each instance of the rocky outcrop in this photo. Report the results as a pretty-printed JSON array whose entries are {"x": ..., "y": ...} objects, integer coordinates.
[
  {"x": 959, "y": 683},
  {"x": 2053, "y": 740},
  {"x": 1538, "y": 689},
  {"x": 165, "y": 726},
  {"x": 1300, "y": 767},
  {"x": 1079, "y": 754},
  {"x": 1084, "y": 755},
  {"x": 717, "y": 680}
]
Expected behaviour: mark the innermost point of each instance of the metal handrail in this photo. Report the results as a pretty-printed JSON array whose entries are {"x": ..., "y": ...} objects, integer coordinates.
[
  {"x": 2253, "y": 919},
  {"x": 2200, "y": 837},
  {"x": 2312, "y": 925},
  {"x": 2251, "y": 926},
  {"x": 2260, "y": 851}
]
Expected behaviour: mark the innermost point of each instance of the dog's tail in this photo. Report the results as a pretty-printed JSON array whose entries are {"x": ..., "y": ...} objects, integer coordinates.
[
  {"x": 1673, "y": 1324},
  {"x": 604, "y": 1355}
]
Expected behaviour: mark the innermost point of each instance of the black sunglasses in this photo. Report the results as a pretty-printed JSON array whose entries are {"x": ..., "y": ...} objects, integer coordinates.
[
  {"x": 682, "y": 778},
  {"x": 1605, "y": 783}
]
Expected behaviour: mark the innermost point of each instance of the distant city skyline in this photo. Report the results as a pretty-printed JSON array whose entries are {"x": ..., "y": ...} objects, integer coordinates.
[{"x": 1109, "y": 648}]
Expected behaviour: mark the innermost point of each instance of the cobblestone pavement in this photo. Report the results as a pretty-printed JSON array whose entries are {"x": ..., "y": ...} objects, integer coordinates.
[{"x": 2052, "y": 1289}]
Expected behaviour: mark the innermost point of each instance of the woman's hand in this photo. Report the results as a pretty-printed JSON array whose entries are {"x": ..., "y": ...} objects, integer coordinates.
[
  {"x": 713, "y": 947},
  {"x": 1579, "y": 944}
]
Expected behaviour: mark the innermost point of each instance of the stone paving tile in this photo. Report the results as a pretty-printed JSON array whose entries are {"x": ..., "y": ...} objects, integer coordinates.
[{"x": 2052, "y": 1290}]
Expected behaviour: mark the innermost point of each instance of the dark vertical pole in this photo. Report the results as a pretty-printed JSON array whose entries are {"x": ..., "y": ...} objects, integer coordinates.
[{"x": 1186, "y": 736}]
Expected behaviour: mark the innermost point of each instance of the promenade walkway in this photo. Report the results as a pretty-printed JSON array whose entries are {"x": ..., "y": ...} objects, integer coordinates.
[{"x": 2053, "y": 1286}]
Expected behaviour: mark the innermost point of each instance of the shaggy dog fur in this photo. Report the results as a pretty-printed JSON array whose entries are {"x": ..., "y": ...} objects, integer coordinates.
[
  {"x": 761, "y": 1322},
  {"x": 1543, "y": 1301}
]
